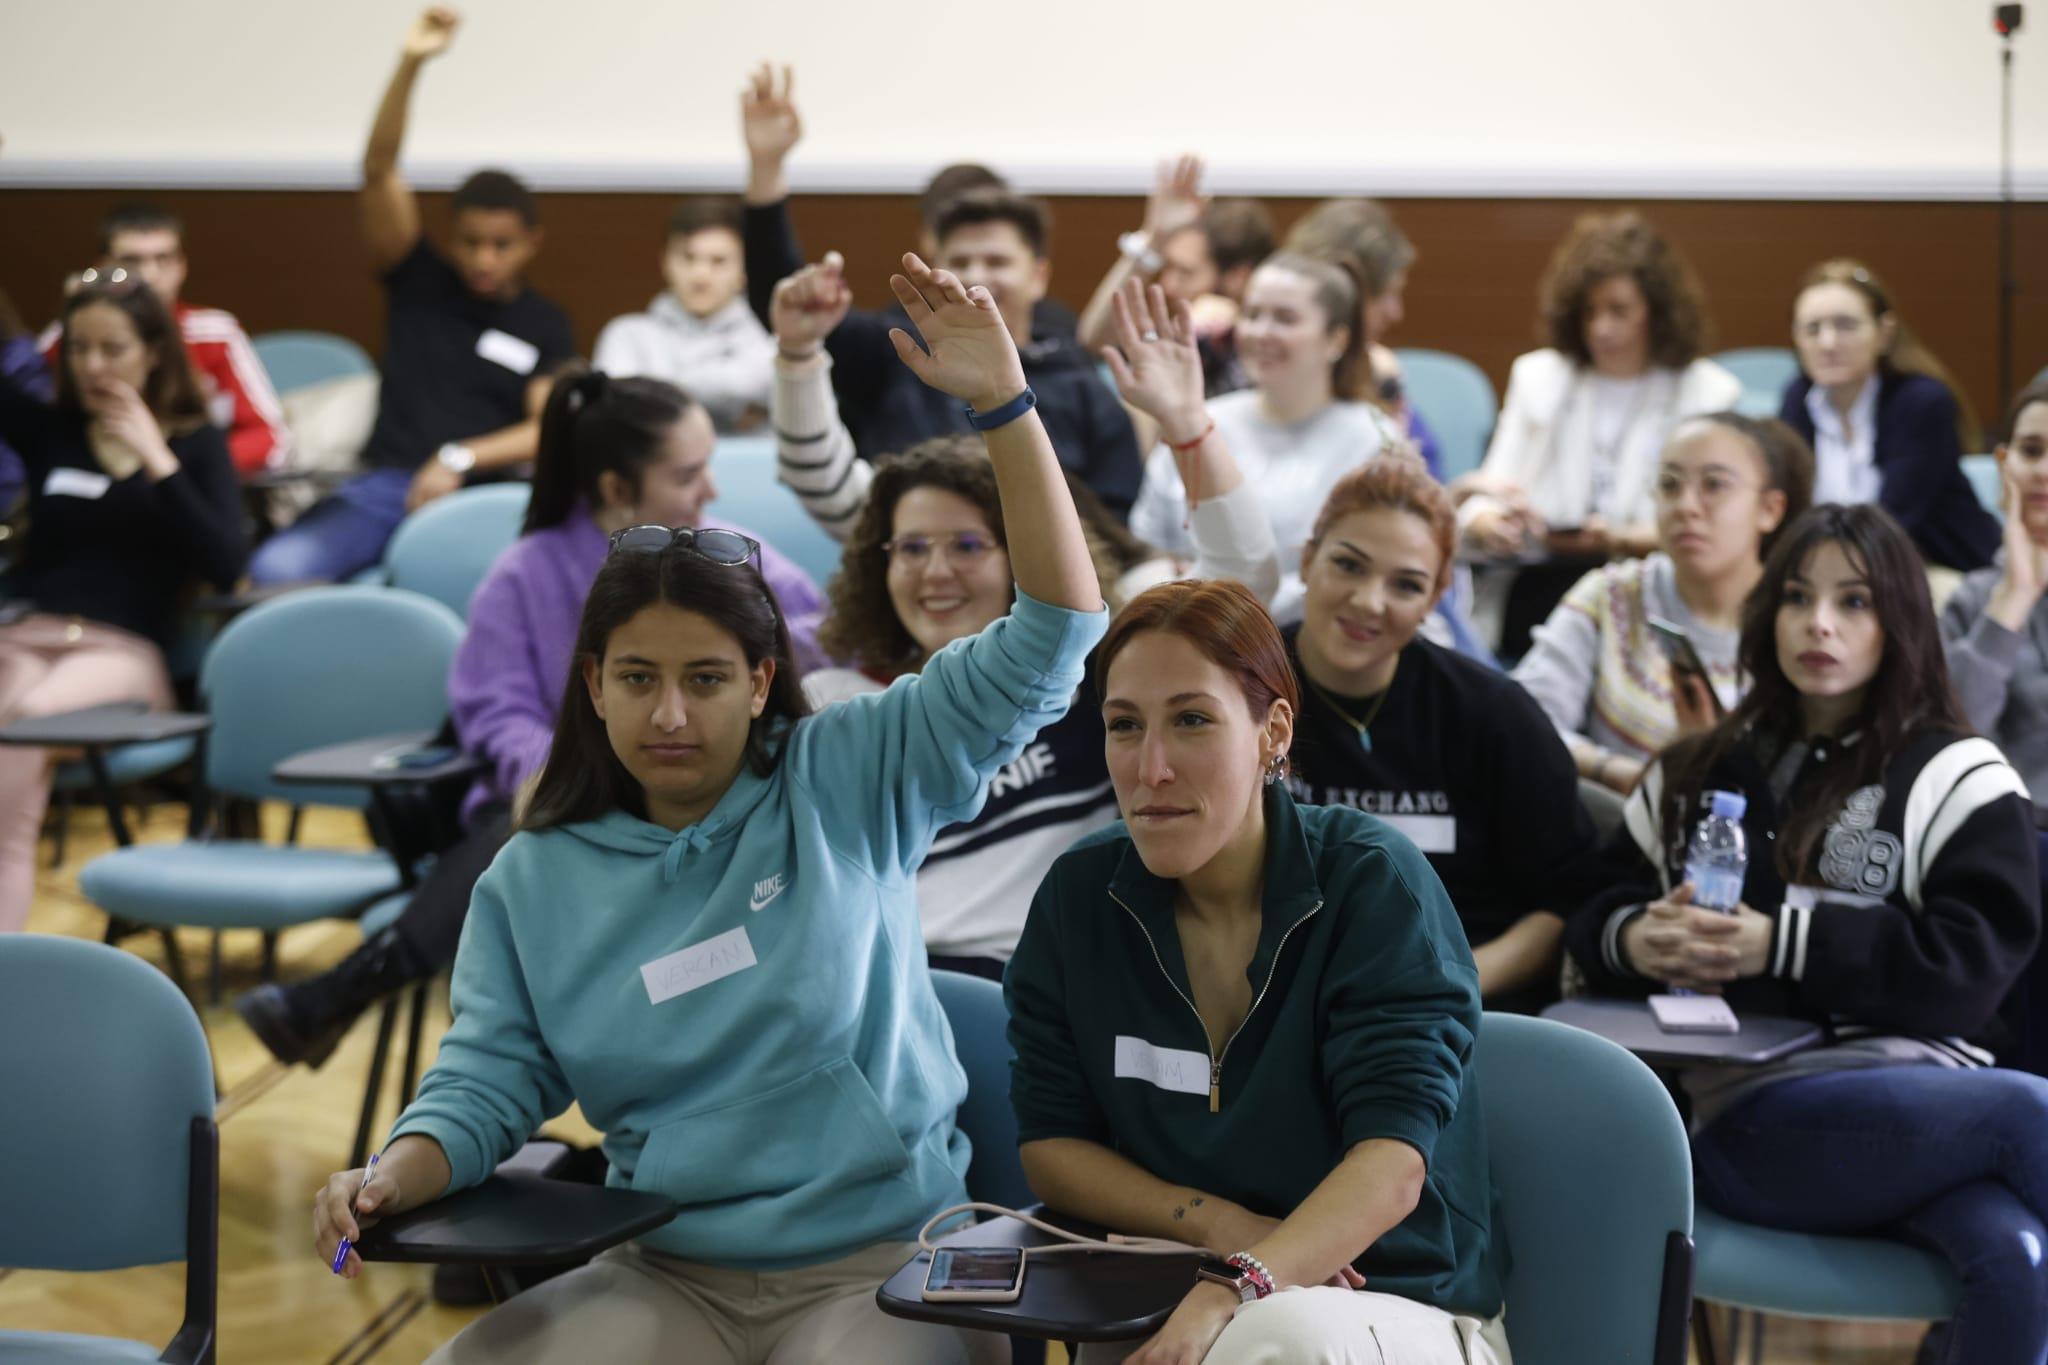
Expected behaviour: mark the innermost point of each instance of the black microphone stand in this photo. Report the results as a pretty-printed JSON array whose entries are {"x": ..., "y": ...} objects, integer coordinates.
[{"x": 2006, "y": 20}]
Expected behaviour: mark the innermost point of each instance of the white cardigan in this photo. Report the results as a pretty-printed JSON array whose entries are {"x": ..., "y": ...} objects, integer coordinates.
[{"x": 1543, "y": 442}]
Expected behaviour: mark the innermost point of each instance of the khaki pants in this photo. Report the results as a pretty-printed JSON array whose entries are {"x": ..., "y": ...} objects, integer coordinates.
[
  {"x": 631, "y": 1305},
  {"x": 1325, "y": 1326}
]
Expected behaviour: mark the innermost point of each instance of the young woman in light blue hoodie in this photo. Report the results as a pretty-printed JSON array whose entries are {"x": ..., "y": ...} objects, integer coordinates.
[{"x": 706, "y": 934}]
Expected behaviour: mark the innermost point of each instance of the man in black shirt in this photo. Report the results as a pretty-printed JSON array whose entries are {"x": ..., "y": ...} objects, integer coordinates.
[
  {"x": 465, "y": 340},
  {"x": 979, "y": 230}
]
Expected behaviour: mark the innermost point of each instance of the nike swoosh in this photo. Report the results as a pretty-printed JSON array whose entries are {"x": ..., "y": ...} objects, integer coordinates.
[{"x": 758, "y": 902}]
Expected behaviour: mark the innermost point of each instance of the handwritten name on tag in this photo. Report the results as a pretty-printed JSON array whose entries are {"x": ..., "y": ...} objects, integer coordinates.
[
  {"x": 700, "y": 964},
  {"x": 1169, "y": 1068},
  {"x": 502, "y": 348},
  {"x": 1430, "y": 833}
]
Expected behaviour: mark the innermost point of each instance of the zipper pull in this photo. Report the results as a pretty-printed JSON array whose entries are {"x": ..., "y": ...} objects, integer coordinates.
[{"x": 1215, "y": 1087}]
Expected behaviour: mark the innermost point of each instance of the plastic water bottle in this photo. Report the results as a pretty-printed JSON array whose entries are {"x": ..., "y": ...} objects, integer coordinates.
[{"x": 1717, "y": 859}]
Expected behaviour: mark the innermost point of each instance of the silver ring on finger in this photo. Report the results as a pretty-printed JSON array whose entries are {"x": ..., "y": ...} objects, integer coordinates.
[{"x": 1149, "y": 336}]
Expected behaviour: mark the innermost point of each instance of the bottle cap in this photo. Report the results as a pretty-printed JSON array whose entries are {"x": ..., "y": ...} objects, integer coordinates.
[{"x": 1731, "y": 805}]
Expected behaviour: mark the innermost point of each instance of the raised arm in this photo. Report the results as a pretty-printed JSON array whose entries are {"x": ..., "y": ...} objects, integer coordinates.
[
  {"x": 814, "y": 455},
  {"x": 771, "y": 128},
  {"x": 1158, "y": 371},
  {"x": 390, "y": 213},
  {"x": 973, "y": 358},
  {"x": 1176, "y": 202}
]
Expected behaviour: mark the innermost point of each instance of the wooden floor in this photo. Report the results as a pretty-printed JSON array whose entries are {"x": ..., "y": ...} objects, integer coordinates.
[{"x": 284, "y": 1131}]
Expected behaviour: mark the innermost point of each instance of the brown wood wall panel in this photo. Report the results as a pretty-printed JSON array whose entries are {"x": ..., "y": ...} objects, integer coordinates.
[{"x": 291, "y": 259}]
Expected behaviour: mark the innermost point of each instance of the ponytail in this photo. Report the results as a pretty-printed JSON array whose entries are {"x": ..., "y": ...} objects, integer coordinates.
[
  {"x": 593, "y": 425},
  {"x": 1340, "y": 293}
]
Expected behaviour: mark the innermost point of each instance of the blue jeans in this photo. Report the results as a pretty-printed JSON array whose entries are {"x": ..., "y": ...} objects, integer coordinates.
[
  {"x": 340, "y": 536},
  {"x": 1956, "y": 1161}
]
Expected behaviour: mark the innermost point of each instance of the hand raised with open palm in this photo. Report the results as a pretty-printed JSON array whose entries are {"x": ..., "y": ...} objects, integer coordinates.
[{"x": 968, "y": 351}]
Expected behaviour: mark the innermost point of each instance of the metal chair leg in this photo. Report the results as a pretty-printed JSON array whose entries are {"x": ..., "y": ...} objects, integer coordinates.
[
  {"x": 174, "y": 961},
  {"x": 60, "y": 838},
  {"x": 269, "y": 956},
  {"x": 213, "y": 971},
  {"x": 387, "y": 1018}
]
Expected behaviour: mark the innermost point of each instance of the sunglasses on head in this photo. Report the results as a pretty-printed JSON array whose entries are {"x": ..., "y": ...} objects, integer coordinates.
[{"x": 720, "y": 547}]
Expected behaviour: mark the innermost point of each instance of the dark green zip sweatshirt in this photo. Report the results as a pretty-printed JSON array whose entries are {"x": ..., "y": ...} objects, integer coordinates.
[{"x": 1365, "y": 1006}]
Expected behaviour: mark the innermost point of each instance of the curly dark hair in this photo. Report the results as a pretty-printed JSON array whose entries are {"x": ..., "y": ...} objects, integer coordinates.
[
  {"x": 1601, "y": 246},
  {"x": 862, "y": 624}
]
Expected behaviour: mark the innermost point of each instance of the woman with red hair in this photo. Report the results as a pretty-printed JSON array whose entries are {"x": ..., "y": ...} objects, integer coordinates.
[{"x": 1247, "y": 1025}]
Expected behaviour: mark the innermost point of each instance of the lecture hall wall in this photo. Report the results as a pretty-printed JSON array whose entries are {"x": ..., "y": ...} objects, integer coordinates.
[{"x": 1761, "y": 135}]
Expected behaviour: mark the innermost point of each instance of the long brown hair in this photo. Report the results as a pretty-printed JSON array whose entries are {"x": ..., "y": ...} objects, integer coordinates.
[
  {"x": 171, "y": 389},
  {"x": 584, "y": 779},
  {"x": 1907, "y": 354},
  {"x": 1909, "y": 694}
]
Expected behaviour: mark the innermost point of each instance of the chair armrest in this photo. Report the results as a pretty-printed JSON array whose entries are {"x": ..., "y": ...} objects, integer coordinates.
[
  {"x": 105, "y": 727},
  {"x": 373, "y": 763},
  {"x": 518, "y": 1219}
]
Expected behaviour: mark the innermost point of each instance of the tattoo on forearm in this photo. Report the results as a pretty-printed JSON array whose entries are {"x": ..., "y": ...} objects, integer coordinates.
[{"x": 1180, "y": 1211}]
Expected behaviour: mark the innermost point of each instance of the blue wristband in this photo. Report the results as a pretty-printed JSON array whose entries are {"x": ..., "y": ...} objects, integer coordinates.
[{"x": 1008, "y": 412}]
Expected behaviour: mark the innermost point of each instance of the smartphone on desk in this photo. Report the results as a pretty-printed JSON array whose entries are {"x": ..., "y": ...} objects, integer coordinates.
[
  {"x": 1693, "y": 1014},
  {"x": 427, "y": 756},
  {"x": 975, "y": 1275}
]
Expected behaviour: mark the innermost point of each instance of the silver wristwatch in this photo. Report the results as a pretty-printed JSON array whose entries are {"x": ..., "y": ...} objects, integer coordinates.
[
  {"x": 456, "y": 458},
  {"x": 1138, "y": 249}
]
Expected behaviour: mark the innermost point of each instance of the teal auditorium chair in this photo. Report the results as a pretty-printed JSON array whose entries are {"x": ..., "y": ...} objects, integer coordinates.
[
  {"x": 1763, "y": 1270},
  {"x": 1765, "y": 372},
  {"x": 1592, "y": 1180},
  {"x": 750, "y": 498},
  {"x": 445, "y": 549},
  {"x": 298, "y": 360},
  {"x": 316, "y": 667},
  {"x": 981, "y": 1038},
  {"x": 1457, "y": 400},
  {"x": 107, "y": 1139},
  {"x": 1982, "y": 472}
]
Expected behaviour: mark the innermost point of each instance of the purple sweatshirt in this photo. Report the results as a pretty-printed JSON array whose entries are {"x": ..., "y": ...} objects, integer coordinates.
[{"x": 514, "y": 659}]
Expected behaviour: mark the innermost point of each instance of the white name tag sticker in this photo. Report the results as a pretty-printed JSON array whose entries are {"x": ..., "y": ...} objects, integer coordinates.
[
  {"x": 1430, "y": 833},
  {"x": 700, "y": 964},
  {"x": 76, "y": 483},
  {"x": 1169, "y": 1068},
  {"x": 502, "y": 348}
]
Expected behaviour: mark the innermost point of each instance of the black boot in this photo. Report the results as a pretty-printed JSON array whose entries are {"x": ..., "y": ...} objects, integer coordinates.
[{"x": 304, "y": 1022}]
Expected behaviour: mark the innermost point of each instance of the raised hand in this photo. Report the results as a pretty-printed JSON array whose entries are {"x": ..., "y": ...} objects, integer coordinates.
[
  {"x": 1156, "y": 363},
  {"x": 1177, "y": 200},
  {"x": 431, "y": 33},
  {"x": 2024, "y": 575},
  {"x": 969, "y": 352},
  {"x": 768, "y": 116},
  {"x": 808, "y": 305}
]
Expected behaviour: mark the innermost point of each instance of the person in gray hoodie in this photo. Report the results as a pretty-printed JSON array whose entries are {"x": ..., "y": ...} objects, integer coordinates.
[{"x": 699, "y": 333}]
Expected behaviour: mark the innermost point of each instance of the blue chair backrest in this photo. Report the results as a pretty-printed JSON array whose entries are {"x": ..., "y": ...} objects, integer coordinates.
[
  {"x": 1591, "y": 1174},
  {"x": 106, "y": 1068},
  {"x": 750, "y": 498},
  {"x": 317, "y": 667},
  {"x": 1457, "y": 400},
  {"x": 981, "y": 1036},
  {"x": 445, "y": 549},
  {"x": 1765, "y": 371},
  {"x": 297, "y": 360},
  {"x": 1982, "y": 472}
]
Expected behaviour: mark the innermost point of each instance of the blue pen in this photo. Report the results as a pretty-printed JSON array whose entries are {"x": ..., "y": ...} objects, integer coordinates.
[{"x": 341, "y": 1252}]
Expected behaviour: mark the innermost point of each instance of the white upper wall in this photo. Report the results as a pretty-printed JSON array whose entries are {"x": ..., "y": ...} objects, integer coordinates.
[{"x": 1774, "y": 98}]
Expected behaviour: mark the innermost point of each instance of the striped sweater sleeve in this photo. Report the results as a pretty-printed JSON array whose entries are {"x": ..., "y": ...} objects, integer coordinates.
[{"x": 814, "y": 455}]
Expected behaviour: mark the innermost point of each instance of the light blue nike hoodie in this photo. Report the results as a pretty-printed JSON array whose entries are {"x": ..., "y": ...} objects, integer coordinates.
[{"x": 744, "y": 1007}]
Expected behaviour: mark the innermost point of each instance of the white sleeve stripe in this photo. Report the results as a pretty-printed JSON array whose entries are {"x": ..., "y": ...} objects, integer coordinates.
[
  {"x": 1802, "y": 930},
  {"x": 1610, "y": 940},
  {"x": 255, "y": 382},
  {"x": 1639, "y": 815},
  {"x": 1784, "y": 939},
  {"x": 1973, "y": 769}
]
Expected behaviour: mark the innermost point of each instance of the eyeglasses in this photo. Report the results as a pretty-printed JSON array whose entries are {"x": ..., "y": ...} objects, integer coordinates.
[
  {"x": 962, "y": 549},
  {"x": 720, "y": 547}
]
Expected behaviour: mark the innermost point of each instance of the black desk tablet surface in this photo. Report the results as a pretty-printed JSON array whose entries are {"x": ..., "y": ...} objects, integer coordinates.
[
  {"x": 101, "y": 726},
  {"x": 365, "y": 763},
  {"x": 1074, "y": 1296},
  {"x": 1763, "y": 1037},
  {"x": 518, "y": 1219}
]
